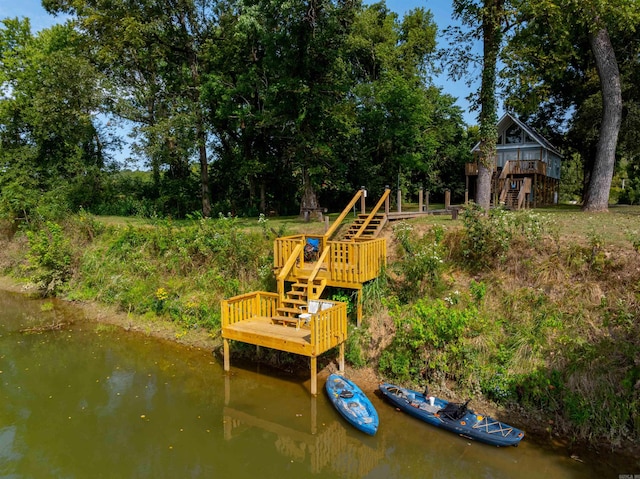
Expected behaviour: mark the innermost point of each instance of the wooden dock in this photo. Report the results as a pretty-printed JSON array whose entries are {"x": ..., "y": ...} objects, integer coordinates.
[{"x": 295, "y": 319}]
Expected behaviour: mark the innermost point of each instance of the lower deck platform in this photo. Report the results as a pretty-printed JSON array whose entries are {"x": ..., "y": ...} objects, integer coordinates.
[{"x": 252, "y": 318}]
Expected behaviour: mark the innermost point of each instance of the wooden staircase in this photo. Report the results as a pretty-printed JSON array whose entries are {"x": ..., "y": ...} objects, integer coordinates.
[
  {"x": 296, "y": 300},
  {"x": 511, "y": 199},
  {"x": 371, "y": 226}
]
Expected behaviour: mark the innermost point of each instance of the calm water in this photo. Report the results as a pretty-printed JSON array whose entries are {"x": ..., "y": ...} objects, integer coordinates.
[{"x": 84, "y": 403}]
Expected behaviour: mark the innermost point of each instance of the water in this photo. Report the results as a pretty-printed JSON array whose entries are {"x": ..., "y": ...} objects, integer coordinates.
[{"x": 85, "y": 401}]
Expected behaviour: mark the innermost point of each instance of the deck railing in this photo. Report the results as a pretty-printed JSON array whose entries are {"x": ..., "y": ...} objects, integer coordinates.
[
  {"x": 347, "y": 262},
  {"x": 328, "y": 327},
  {"x": 513, "y": 167},
  {"x": 246, "y": 306}
]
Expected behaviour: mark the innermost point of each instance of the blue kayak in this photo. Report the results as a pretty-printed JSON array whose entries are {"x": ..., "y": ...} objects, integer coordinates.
[
  {"x": 453, "y": 417},
  {"x": 352, "y": 403}
]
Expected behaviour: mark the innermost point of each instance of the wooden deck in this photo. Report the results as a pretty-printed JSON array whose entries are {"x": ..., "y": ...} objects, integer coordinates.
[
  {"x": 297, "y": 320},
  {"x": 252, "y": 318}
]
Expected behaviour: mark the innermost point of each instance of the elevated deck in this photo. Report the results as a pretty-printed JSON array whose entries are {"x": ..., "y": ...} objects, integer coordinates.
[
  {"x": 297, "y": 320},
  {"x": 252, "y": 318}
]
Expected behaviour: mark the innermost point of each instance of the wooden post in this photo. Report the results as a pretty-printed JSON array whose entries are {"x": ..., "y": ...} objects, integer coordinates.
[
  {"x": 363, "y": 208},
  {"x": 420, "y": 199},
  {"x": 466, "y": 189},
  {"x": 225, "y": 349},
  {"x": 399, "y": 201},
  {"x": 386, "y": 202},
  {"x": 426, "y": 201},
  {"x": 341, "y": 358},
  {"x": 314, "y": 375},
  {"x": 326, "y": 223},
  {"x": 359, "y": 308},
  {"x": 447, "y": 199}
]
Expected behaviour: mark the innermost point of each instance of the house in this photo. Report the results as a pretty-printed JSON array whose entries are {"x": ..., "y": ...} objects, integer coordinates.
[{"x": 526, "y": 170}]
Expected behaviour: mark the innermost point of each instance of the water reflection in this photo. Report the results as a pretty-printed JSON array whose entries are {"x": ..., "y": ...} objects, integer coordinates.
[{"x": 323, "y": 443}]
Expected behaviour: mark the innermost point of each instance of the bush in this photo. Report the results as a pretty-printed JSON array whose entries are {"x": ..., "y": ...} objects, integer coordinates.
[
  {"x": 49, "y": 258},
  {"x": 489, "y": 235},
  {"x": 429, "y": 341},
  {"x": 421, "y": 262}
]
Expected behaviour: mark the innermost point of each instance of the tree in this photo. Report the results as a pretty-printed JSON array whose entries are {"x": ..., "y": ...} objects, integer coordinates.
[
  {"x": 406, "y": 126},
  {"x": 577, "y": 42},
  {"x": 487, "y": 21},
  {"x": 152, "y": 51},
  {"x": 49, "y": 141}
]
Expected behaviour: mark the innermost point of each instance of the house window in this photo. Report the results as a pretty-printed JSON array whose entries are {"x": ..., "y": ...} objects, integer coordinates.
[
  {"x": 513, "y": 134},
  {"x": 528, "y": 139}
]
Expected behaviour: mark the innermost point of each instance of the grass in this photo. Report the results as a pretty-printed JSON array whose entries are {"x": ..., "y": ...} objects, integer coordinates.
[{"x": 613, "y": 227}]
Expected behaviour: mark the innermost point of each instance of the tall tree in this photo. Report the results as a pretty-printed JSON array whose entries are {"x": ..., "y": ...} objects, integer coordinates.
[
  {"x": 578, "y": 48},
  {"x": 487, "y": 21},
  {"x": 405, "y": 124},
  {"x": 152, "y": 50},
  {"x": 49, "y": 141}
]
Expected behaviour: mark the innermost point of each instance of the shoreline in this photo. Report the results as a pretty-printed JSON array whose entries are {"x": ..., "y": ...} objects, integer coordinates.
[{"x": 536, "y": 427}]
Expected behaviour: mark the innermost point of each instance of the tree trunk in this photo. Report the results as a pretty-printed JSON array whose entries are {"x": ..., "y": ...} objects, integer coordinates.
[
  {"x": 492, "y": 38},
  {"x": 597, "y": 194},
  {"x": 483, "y": 186},
  {"x": 309, "y": 204}
]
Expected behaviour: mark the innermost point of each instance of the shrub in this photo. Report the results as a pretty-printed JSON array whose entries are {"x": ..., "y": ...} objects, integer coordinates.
[
  {"x": 429, "y": 340},
  {"x": 421, "y": 263},
  {"x": 49, "y": 258}
]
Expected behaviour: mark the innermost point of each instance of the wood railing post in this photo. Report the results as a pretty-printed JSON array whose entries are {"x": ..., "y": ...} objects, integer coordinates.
[
  {"x": 386, "y": 202},
  {"x": 426, "y": 201},
  {"x": 420, "y": 199},
  {"x": 447, "y": 199},
  {"x": 399, "y": 200},
  {"x": 363, "y": 207}
]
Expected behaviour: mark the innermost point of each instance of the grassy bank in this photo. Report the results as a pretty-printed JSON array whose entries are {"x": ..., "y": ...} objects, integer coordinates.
[{"x": 536, "y": 312}]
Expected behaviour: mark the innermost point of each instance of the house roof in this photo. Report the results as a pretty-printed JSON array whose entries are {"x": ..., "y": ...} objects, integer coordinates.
[{"x": 506, "y": 121}]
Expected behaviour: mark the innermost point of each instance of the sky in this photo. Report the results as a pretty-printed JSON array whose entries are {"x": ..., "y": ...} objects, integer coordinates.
[{"x": 441, "y": 10}]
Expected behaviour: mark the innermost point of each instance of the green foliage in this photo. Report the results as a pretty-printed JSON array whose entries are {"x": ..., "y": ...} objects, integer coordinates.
[
  {"x": 478, "y": 291},
  {"x": 421, "y": 261},
  {"x": 49, "y": 258},
  {"x": 345, "y": 296},
  {"x": 429, "y": 339},
  {"x": 353, "y": 351},
  {"x": 158, "y": 269},
  {"x": 489, "y": 236},
  {"x": 375, "y": 291}
]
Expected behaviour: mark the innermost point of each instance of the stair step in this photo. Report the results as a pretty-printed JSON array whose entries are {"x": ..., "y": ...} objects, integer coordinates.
[
  {"x": 286, "y": 321},
  {"x": 294, "y": 301},
  {"x": 285, "y": 310},
  {"x": 299, "y": 294}
]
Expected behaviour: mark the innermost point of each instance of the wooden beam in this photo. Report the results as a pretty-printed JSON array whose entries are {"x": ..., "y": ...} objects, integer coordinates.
[
  {"x": 314, "y": 375},
  {"x": 341, "y": 358},
  {"x": 225, "y": 349}
]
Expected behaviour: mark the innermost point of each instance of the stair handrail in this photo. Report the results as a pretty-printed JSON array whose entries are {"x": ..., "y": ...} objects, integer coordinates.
[
  {"x": 316, "y": 269},
  {"x": 505, "y": 170},
  {"x": 366, "y": 222},
  {"x": 503, "y": 192},
  {"x": 526, "y": 188},
  {"x": 286, "y": 269},
  {"x": 340, "y": 218}
]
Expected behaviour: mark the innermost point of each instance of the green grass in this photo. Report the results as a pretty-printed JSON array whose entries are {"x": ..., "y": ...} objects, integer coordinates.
[{"x": 613, "y": 227}]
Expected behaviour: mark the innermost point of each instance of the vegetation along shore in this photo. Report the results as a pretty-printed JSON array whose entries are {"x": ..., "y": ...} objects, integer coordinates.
[{"x": 530, "y": 312}]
